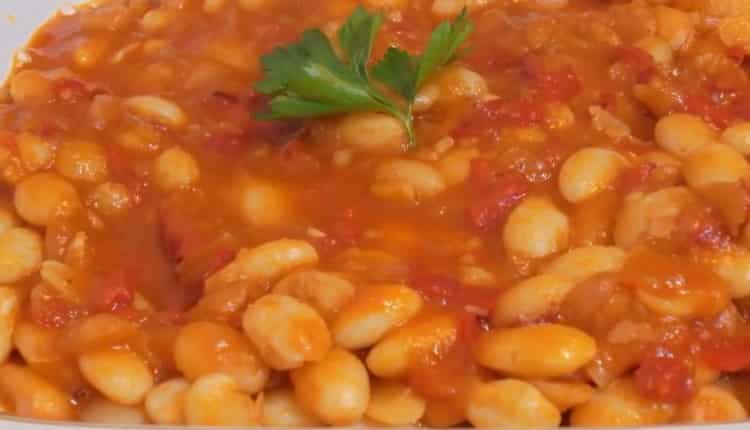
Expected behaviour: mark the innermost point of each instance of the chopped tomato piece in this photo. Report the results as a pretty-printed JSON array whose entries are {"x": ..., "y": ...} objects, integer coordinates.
[
  {"x": 49, "y": 309},
  {"x": 447, "y": 373},
  {"x": 342, "y": 231},
  {"x": 701, "y": 104},
  {"x": 442, "y": 375},
  {"x": 727, "y": 355},
  {"x": 112, "y": 292},
  {"x": 54, "y": 312},
  {"x": 701, "y": 226},
  {"x": 552, "y": 83},
  {"x": 737, "y": 53},
  {"x": 665, "y": 377},
  {"x": 490, "y": 115},
  {"x": 72, "y": 90},
  {"x": 121, "y": 169},
  {"x": 636, "y": 177},
  {"x": 195, "y": 241},
  {"x": 495, "y": 195},
  {"x": 226, "y": 144},
  {"x": 638, "y": 60},
  {"x": 448, "y": 292}
]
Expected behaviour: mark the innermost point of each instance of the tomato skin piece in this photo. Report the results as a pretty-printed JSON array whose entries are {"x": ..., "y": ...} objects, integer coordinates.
[{"x": 664, "y": 377}]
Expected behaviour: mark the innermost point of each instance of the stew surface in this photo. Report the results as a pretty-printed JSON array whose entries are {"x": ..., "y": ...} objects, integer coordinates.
[{"x": 566, "y": 244}]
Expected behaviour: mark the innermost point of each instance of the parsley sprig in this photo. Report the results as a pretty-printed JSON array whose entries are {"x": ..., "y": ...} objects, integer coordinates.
[{"x": 307, "y": 78}]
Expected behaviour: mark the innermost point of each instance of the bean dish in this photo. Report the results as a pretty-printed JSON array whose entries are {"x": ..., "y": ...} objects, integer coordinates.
[{"x": 439, "y": 213}]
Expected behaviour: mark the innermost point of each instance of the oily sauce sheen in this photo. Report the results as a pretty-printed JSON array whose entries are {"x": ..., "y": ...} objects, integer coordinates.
[{"x": 567, "y": 243}]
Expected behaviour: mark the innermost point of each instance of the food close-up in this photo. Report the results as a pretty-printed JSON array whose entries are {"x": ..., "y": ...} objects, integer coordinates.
[{"x": 436, "y": 213}]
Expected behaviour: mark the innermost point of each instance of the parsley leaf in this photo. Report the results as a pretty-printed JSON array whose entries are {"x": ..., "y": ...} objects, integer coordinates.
[
  {"x": 307, "y": 79},
  {"x": 443, "y": 45},
  {"x": 398, "y": 70},
  {"x": 357, "y": 36}
]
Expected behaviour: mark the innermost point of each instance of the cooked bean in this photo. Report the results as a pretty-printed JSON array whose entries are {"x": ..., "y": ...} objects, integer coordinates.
[
  {"x": 712, "y": 164},
  {"x": 32, "y": 396},
  {"x": 157, "y": 20},
  {"x": 675, "y": 26},
  {"x": 455, "y": 166},
  {"x": 139, "y": 138},
  {"x": 120, "y": 375},
  {"x": 394, "y": 404},
  {"x": 457, "y": 82},
  {"x": 427, "y": 96},
  {"x": 738, "y": 137},
  {"x": 90, "y": 52},
  {"x": 326, "y": 292},
  {"x": 264, "y": 205},
  {"x": 20, "y": 254},
  {"x": 107, "y": 412},
  {"x": 510, "y": 403},
  {"x": 581, "y": 263},
  {"x": 41, "y": 197},
  {"x": 9, "y": 310},
  {"x": 96, "y": 331},
  {"x": 233, "y": 52},
  {"x": 176, "y": 168},
  {"x": 8, "y": 219},
  {"x": 36, "y": 153},
  {"x": 680, "y": 134},
  {"x": 564, "y": 394},
  {"x": 711, "y": 404},
  {"x": 536, "y": 228},
  {"x": 253, "y": 5},
  {"x": 408, "y": 180},
  {"x": 391, "y": 357},
  {"x": 531, "y": 299},
  {"x": 287, "y": 332},
  {"x": 658, "y": 48},
  {"x": 336, "y": 389},
  {"x": 205, "y": 347},
  {"x": 652, "y": 215},
  {"x": 620, "y": 404},
  {"x": 29, "y": 87},
  {"x": 82, "y": 161},
  {"x": 157, "y": 109},
  {"x": 280, "y": 409},
  {"x": 372, "y": 133},
  {"x": 373, "y": 312},
  {"x": 110, "y": 198},
  {"x": 216, "y": 400},
  {"x": 214, "y": 6},
  {"x": 733, "y": 31},
  {"x": 443, "y": 413},
  {"x": 734, "y": 269},
  {"x": 264, "y": 263},
  {"x": 165, "y": 402},
  {"x": 538, "y": 351},
  {"x": 589, "y": 171},
  {"x": 36, "y": 344}
]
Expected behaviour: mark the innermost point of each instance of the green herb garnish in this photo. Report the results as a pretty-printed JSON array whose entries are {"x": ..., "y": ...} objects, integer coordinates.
[{"x": 307, "y": 79}]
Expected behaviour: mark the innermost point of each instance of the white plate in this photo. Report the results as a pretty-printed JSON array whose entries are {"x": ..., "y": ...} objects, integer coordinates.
[{"x": 18, "y": 20}]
